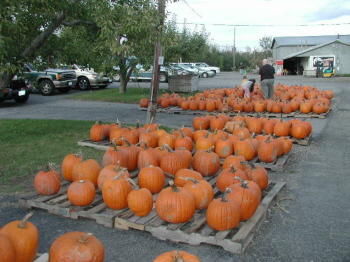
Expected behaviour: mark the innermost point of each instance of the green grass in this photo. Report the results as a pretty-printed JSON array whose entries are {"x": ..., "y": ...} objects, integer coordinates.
[
  {"x": 27, "y": 146},
  {"x": 132, "y": 96}
]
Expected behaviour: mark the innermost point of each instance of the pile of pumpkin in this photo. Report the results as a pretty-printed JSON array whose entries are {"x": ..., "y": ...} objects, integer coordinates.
[
  {"x": 287, "y": 99},
  {"x": 19, "y": 242},
  {"x": 186, "y": 156}
]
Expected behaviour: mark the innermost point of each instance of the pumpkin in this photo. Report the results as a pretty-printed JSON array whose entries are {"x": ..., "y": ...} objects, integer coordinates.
[
  {"x": 185, "y": 172},
  {"x": 244, "y": 148},
  {"x": 206, "y": 162},
  {"x": 133, "y": 153},
  {"x": 247, "y": 196},
  {"x": 109, "y": 172},
  {"x": 98, "y": 132},
  {"x": 67, "y": 165},
  {"x": 299, "y": 131},
  {"x": 228, "y": 176},
  {"x": 236, "y": 160},
  {"x": 24, "y": 237},
  {"x": 282, "y": 128},
  {"x": 176, "y": 256},
  {"x": 267, "y": 150},
  {"x": 259, "y": 175},
  {"x": 113, "y": 155},
  {"x": 140, "y": 200},
  {"x": 152, "y": 178},
  {"x": 175, "y": 204},
  {"x": 173, "y": 161},
  {"x": 223, "y": 213},
  {"x": 47, "y": 182},
  {"x": 144, "y": 102},
  {"x": 81, "y": 192},
  {"x": 86, "y": 170},
  {"x": 78, "y": 247},
  {"x": 224, "y": 147},
  {"x": 147, "y": 157},
  {"x": 201, "y": 190},
  {"x": 7, "y": 250},
  {"x": 115, "y": 192}
]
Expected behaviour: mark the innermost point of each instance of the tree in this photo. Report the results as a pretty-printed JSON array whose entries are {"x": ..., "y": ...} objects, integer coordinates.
[
  {"x": 86, "y": 31},
  {"x": 266, "y": 43}
]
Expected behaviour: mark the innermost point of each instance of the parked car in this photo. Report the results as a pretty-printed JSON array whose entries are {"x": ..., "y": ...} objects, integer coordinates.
[
  {"x": 18, "y": 90},
  {"x": 178, "y": 69},
  {"x": 51, "y": 79},
  {"x": 201, "y": 65},
  {"x": 202, "y": 71},
  {"x": 139, "y": 73},
  {"x": 88, "y": 78}
]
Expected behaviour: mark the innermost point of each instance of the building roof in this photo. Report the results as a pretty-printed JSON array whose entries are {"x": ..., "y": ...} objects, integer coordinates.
[
  {"x": 303, "y": 52},
  {"x": 308, "y": 40}
]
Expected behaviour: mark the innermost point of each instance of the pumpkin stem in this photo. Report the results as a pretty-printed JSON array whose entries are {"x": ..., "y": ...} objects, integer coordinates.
[
  {"x": 177, "y": 257},
  {"x": 169, "y": 175},
  {"x": 190, "y": 179},
  {"x": 126, "y": 141},
  {"x": 132, "y": 182},
  {"x": 119, "y": 174},
  {"x": 23, "y": 222},
  {"x": 168, "y": 148},
  {"x": 173, "y": 186},
  {"x": 85, "y": 237},
  {"x": 227, "y": 191},
  {"x": 243, "y": 183}
]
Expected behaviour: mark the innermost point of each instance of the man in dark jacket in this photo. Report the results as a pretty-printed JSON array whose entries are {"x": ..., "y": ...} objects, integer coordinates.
[{"x": 266, "y": 78}]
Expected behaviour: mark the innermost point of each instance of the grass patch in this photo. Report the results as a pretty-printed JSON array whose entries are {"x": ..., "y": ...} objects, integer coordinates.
[
  {"x": 132, "y": 96},
  {"x": 27, "y": 146}
]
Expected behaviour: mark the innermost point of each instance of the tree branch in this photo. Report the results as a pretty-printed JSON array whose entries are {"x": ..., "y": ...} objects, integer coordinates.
[
  {"x": 40, "y": 39},
  {"x": 77, "y": 22}
]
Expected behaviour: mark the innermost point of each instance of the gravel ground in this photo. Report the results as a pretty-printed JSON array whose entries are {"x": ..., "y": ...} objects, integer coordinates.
[{"x": 310, "y": 221}]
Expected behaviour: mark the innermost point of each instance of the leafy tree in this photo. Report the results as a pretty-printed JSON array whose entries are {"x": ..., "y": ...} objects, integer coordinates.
[{"x": 266, "y": 43}]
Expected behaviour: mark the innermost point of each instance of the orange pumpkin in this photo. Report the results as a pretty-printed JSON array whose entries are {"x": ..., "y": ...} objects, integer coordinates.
[
  {"x": 47, "y": 182},
  {"x": 81, "y": 192},
  {"x": 176, "y": 255},
  {"x": 77, "y": 246}
]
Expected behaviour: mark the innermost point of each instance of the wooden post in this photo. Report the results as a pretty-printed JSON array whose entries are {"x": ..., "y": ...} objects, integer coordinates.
[{"x": 152, "y": 105}]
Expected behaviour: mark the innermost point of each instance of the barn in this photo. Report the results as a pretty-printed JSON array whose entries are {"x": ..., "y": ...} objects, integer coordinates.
[{"x": 307, "y": 55}]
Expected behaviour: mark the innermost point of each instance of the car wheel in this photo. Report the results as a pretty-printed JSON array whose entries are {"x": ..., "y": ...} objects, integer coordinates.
[
  {"x": 83, "y": 83},
  {"x": 116, "y": 78},
  {"x": 22, "y": 99},
  {"x": 64, "y": 90},
  {"x": 163, "y": 78},
  {"x": 205, "y": 75},
  {"x": 46, "y": 87}
]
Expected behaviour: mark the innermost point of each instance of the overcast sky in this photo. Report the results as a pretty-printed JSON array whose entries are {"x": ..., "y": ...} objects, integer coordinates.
[{"x": 245, "y": 22}]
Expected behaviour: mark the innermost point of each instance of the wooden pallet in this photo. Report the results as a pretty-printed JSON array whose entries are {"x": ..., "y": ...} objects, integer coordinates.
[
  {"x": 303, "y": 142},
  {"x": 276, "y": 166},
  {"x": 194, "y": 232},
  {"x": 197, "y": 231},
  {"x": 298, "y": 114},
  {"x": 102, "y": 145}
]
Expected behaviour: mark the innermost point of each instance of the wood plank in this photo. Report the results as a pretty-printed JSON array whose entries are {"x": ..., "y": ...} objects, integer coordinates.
[{"x": 42, "y": 258}]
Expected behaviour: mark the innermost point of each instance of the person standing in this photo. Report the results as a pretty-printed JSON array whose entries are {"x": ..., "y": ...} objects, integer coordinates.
[{"x": 266, "y": 78}]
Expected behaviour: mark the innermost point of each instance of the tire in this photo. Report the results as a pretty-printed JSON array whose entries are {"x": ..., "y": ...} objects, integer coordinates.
[
  {"x": 46, "y": 87},
  {"x": 21, "y": 99},
  {"x": 64, "y": 90},
  {"x": 83, "y": 83},
  {"x": 163, "y": 78},
  {"x": 116, "y": 78},
  {"x": 205, "y": 75}
]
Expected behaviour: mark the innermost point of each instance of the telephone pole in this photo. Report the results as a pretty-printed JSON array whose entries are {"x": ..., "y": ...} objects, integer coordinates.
[
  {"x": 234, "y": 48},
  {"x": 152, "y": 104}
]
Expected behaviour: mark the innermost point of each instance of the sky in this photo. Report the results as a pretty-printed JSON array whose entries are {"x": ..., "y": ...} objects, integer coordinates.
[{"x": 241, "y": 23}]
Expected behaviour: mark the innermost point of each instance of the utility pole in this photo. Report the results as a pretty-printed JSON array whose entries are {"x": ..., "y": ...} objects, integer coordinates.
[
  {"x": 152, "y": 104},
  {"x": 234, "y": 48}
]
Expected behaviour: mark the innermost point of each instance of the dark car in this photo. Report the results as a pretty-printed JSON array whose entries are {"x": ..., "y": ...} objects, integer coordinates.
[{"x": 17, "y": 90}]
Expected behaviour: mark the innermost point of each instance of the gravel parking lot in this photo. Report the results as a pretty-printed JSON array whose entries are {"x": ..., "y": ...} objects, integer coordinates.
[{"x": 309, "y": 223}]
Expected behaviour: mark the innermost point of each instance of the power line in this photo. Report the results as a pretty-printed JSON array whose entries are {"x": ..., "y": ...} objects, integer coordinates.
[
  {"x": 243, "y": 25},
  {"x": 192, "y": 8}
]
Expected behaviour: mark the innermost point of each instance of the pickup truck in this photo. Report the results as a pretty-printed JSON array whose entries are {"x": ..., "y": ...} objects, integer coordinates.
[
  {"x": 51, "y": 79},
  {"x": 17, "y": 90}
]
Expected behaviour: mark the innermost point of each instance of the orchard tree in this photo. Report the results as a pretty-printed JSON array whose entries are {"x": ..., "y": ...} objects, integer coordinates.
[{"x": 266, "y": 43}]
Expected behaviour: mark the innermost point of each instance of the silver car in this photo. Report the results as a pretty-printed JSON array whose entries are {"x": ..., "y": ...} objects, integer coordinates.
[
  {"x": 202, "y": 72},
  {"x": 87, "y": 78}
]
